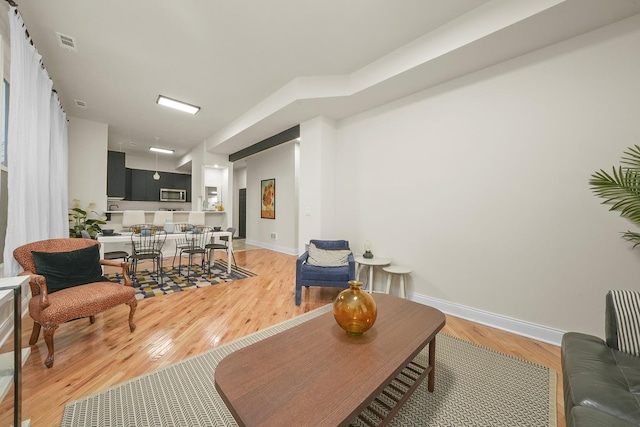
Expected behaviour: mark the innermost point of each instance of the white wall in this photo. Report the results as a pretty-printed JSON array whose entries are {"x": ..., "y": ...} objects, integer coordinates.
[
  {"x": 279, "y": 163},
  {"x": 88, "y": 162},
  {"x": 481, "y": 184},
  {"x": 317, "y": 210}
]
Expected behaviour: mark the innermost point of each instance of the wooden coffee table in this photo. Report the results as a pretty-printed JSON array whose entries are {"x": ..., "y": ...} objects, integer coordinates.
[{"x": 314, "y": 374}]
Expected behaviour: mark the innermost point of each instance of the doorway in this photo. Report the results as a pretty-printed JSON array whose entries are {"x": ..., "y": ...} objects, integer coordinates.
[{"x": 242, "y": 213}]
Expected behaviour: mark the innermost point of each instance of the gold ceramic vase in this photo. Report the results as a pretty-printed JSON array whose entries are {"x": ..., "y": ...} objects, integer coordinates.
[{"x": 355, "y": 310}]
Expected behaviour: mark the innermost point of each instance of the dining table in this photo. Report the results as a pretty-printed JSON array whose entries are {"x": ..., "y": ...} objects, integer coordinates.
[{"x": 126, "y": 237}]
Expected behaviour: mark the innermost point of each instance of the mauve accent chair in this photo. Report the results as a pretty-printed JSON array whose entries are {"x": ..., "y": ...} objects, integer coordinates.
[
  {"x": 335, "y": 277},
  {"x": 50, "y": 310}
]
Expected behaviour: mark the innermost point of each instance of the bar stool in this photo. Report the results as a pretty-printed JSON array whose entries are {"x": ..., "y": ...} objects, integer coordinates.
[{"x": 400, "y": 271}]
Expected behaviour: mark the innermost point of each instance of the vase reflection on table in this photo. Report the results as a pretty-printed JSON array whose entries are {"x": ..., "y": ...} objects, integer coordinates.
[{"x": 354, "y": 310}]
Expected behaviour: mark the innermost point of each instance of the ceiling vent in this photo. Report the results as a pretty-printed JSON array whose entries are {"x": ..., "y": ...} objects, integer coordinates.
[
  {"x": 80, "y": 103},
  {"x": 67, "y": 42}
]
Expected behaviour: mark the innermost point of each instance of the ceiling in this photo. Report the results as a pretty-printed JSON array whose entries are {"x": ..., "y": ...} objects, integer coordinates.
[{"x": 258, "y": 67}]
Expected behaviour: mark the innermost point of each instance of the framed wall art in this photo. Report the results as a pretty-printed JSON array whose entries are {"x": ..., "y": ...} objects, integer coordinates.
[{"x": 268, "y": 200}]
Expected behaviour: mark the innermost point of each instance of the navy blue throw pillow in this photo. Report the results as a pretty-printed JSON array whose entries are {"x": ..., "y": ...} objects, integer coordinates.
[{"x": 67, "y": 269}]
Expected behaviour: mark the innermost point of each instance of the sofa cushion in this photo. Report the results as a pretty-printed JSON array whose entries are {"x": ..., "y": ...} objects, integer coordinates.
[
  {"x": 582, "y": 416},
  {"x": 313, "y": 273},
  {"x": 623, "y": 316},
  {"x": 67, "y": 269},
  {"x": 327, "y": 257},
  {"x": 600, "y": 377}
]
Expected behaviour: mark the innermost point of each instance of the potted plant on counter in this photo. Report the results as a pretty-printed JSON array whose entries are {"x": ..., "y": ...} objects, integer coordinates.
[
  {"x": 621, "y": 189},
  {"x": 79, "y": 220}
]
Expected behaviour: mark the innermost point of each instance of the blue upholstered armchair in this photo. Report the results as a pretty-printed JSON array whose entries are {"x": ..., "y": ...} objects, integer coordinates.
[{"x": 314, "y": 275}]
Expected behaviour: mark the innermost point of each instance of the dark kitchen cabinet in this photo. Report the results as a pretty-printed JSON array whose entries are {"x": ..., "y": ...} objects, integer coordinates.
[
  {"x": 127, "y": 184},
  {"x": 116, "y": 176},
  {"x": 139, "y": 184},
  {"x": 188, "y": 188},
  {"x": 180, "y": 182},
  {"x": 144, "y": 188},
  {"x": 152, "y": 192}
]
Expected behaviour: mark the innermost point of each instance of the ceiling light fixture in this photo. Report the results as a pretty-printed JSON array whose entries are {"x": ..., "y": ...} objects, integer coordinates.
[
  {"x": 161, "y": 150},
  {"x": 178, "y": 105},
  {"x": 156, "y": 175}
]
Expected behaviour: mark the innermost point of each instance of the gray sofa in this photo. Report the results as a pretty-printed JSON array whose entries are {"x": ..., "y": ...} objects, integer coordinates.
[{"x": 601, "y": 383}]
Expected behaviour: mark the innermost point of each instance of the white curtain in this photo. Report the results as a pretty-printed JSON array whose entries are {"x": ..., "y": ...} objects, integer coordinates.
[{"x": 37, "y": 151}]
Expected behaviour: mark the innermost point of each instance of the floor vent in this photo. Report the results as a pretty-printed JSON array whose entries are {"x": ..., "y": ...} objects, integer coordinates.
[{"x": 67, "y": 42}]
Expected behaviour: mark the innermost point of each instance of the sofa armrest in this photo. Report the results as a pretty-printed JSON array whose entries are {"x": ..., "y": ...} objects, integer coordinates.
[{"x": 610, "y": 323}]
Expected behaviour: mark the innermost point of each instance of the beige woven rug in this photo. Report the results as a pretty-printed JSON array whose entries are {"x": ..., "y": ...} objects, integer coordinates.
[{"x": 475, "y": 386}]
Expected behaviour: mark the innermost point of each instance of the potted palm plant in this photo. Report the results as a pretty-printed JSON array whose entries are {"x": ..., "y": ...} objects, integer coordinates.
[{"x": 621, "y": 189}]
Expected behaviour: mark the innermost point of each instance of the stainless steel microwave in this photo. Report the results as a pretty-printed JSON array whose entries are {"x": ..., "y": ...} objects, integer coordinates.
[{"x": 173, "y": 195}]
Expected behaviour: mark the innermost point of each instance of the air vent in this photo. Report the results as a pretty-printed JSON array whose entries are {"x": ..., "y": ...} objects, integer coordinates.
[
  {"x": 67, "y": 42},
  {"x": 80, "y": 103}
]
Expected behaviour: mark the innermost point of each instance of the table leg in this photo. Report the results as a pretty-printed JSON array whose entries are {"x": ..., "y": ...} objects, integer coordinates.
[
  {"x": 370, "y": 286},
  {"x": 229, "y": 254},
  {"x": 432, "y": 365}
]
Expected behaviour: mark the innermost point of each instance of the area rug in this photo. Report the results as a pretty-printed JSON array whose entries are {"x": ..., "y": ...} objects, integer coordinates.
[
  {"x": 475, "y": 386},
  {"x": 174, "y": 280}
]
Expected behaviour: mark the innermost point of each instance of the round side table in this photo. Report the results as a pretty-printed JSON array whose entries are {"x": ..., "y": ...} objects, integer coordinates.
[
  {"x": 371, "y": 262},
  {"x": 400, "y": 271}
]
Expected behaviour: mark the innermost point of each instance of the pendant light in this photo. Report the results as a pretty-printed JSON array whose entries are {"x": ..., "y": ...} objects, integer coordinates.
[{"x": 156, "y": 175}]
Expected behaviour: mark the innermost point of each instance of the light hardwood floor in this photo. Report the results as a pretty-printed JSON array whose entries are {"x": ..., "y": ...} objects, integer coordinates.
[{"x": 89, "y": 358}]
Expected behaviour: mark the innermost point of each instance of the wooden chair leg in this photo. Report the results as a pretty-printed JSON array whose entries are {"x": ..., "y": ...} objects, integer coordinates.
[
  {"x": 35, "y": 333},
  {"x": 92, "y": 319},
  {"x": 133, "y": 304},
  {"x": 49, "y": 330}
]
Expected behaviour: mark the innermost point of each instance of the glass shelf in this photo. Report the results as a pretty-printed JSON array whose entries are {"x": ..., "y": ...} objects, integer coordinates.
[{"x": 11, "y": 290}]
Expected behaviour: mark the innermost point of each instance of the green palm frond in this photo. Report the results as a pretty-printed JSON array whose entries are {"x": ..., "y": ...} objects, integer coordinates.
[
  {"x": 632, "y": 237},
  {"x": 621, "y": 189}
]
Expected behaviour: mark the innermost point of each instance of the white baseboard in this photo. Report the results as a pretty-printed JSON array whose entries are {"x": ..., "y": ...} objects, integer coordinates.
[
  {"x": 509, "y": 324},
  {"x": 288, "y": 251}
]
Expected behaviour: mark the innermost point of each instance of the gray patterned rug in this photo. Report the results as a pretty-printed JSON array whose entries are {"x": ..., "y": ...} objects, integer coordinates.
[{"x": 475, "y": 386}]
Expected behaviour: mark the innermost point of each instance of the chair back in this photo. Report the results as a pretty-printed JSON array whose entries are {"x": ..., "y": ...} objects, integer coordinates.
[
  {"x": 198, "y": 237},
  {"x": 196, "y": 218},
  {"x": 231, "y": 230},
  {"x": 331, "y": 244},
  {"x": 181, "y": 228},
  {"x": 130, "y": 218},
  {"x": 148, "y": 242},
  {"x": 160, "y": 217},
  {"x": 23, "y": 254}
]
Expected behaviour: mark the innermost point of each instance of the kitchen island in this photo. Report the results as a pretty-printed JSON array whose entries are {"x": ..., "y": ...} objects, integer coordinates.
[{"x": 212, "y": 218}]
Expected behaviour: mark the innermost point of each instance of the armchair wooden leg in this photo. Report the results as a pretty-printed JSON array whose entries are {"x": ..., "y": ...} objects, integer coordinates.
[
  {"x": 133, "y": 304},
  {"x": 35, "y": 333},
  {"x": 92, "y": 319},
  {"x": 49, "y": 330}
]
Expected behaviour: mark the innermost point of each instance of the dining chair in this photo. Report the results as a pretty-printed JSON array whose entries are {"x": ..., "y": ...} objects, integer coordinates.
[
  {"x": 147, "y": 243},
  {"x": 182, "y": 242},
  {"x": 212, "y": 246},
  {"x": 197, "y": 238}
]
